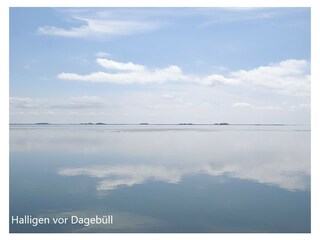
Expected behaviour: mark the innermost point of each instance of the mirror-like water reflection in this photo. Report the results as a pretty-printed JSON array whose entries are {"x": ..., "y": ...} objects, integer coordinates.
[{"x": 163, "y": 178}]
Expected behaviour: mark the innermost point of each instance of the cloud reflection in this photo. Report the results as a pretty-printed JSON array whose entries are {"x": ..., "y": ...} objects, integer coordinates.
[
  {"x": 126, "y": 157},
  {"x": 116, "y": 176},
  {"x": 113, "y": 177}
]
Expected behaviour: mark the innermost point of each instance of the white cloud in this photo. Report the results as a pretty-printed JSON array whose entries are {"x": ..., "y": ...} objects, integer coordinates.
[
  {"x": 112, "y": 65},
  {"x": 243, "y": 105},
  {"x": 93, "y": 28},
  {"x": 219, "y": 79},
  {"x": 289, "y": 77},
  {"x": 136, "y": 74}
]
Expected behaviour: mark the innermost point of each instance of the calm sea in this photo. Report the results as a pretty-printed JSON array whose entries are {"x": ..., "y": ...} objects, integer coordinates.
[{"x": 162, "y": 178}]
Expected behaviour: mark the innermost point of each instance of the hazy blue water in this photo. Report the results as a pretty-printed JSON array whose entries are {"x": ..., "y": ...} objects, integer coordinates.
[{"x": 162, "y": 178}]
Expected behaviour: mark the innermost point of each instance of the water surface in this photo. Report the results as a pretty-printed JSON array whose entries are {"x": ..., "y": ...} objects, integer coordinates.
[{"x": 162, "y": 178}]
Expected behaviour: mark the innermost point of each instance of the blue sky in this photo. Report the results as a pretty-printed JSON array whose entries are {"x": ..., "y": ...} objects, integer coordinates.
[{"x": 160, "y": 65}]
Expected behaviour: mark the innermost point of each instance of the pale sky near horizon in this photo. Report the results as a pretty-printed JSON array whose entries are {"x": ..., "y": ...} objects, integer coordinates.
[{"x": 160, "y": 65}]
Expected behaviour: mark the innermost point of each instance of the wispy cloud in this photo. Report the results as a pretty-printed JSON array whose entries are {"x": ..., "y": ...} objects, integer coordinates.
[
  {"x": 107, "y": 23},
  {"x": 100, "y": 26},
  {"x": 102, "y": 54},
  {"x": 299, "y": 107},
  {"x": 243, "y": 105},
  {"x": 72, "y": 102},
  {"x": 289, "y": 77},
  {"x": 240, "y": 14}
]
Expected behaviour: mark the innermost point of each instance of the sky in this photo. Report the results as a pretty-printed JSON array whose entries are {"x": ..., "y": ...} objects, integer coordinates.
[{"x": 160, "y": 65}]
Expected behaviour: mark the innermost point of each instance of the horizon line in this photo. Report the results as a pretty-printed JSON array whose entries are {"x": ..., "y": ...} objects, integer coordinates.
[{"x": 146, "y": 124}]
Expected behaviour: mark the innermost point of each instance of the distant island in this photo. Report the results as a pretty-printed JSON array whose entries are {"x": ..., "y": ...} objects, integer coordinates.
[{"x": 223, "y": 123}]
